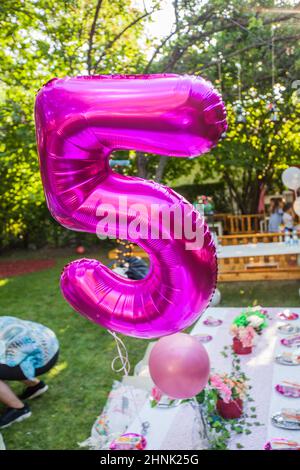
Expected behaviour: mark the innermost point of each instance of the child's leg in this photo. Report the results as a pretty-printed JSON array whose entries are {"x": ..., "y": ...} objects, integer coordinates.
[
  {"x": 31, "y": 383},
  {"x": 8, "y": 397}
]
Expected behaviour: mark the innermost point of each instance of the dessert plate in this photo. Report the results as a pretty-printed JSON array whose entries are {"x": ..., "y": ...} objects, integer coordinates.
[
  {"x": 288, "y": 389},
  {"x": 211, "y": 321},
  {"x": 291, "y": 341},
  {"x": 288, "y": 329},
  {"x": 203, "y": 338},
  {"x": 282, "y": 444},
  {"x": 291, "y": 358},
  {"x": 287, "y": 419},
  {"x": 287, "y": 315}
]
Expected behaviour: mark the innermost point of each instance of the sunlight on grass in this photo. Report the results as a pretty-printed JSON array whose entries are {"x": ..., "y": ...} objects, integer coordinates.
[
  {"x": 57, "y": 370},
  {"x": 3, "y": 282},
  {"x": 63, "y": 330}
]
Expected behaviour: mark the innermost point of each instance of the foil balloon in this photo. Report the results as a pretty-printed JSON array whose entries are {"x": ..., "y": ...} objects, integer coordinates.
[{"x": 79, "y": 123}]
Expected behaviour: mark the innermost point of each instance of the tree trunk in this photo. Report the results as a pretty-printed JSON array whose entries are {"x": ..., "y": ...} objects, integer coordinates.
[
  {"x": 160, "y": 168},
  {"x": 142, "y": 162}
]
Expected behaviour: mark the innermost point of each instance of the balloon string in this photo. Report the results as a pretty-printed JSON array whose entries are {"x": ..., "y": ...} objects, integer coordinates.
[{"x": 122, "y": 355}]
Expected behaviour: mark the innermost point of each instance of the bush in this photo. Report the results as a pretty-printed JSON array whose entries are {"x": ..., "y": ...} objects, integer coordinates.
[{"x": 215, "y": 190}]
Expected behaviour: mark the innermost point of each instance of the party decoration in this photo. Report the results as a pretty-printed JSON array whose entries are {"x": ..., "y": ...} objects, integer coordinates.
[
  {"x": 216, "y": 300},
  {"x": 157, "y": 398},
  {"x": 79, "y": 123},
  {"x": 297, "y": 206},
  {"x": 245, "y": 327},
  {"x": 291, "y": 178},
  {"x": 129, "y": 441},
  {"x": 179, "y": 366}
]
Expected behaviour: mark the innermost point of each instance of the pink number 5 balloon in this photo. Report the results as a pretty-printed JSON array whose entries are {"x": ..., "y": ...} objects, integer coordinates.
[{"x": 79, "y": 122}]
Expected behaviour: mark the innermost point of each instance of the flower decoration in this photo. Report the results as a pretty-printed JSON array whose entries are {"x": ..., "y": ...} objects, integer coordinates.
[
  {"x": 246, "y": 336},
  {"x": 228, "y": 387},
  {"x": 248, "y": 324},
  {"x": 157, "y": 396},
  {"x": 223, "y": 390}
]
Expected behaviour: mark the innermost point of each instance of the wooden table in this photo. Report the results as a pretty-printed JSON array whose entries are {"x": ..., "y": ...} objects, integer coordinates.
[{"x": 259, "y": 261}]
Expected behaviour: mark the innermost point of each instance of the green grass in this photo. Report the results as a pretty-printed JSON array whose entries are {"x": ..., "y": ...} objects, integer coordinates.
[
  {"x": 266, "y": 293},
  {"x": 79, "y": 384}
]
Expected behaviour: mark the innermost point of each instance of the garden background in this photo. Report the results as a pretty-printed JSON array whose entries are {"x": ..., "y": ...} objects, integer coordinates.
[{"x": 252, "y": 57}]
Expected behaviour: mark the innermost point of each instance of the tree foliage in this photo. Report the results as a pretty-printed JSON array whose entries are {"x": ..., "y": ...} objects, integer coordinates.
[
  {"x": 255, "y": 152},
  {"x": 40, "y": 40},
  {"x": 46, "y": 38}
]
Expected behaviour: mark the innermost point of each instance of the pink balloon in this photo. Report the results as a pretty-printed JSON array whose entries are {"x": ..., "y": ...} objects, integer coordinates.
[
  {"x": 79, "y": 123},
  {"x": 179, "y": 366}
]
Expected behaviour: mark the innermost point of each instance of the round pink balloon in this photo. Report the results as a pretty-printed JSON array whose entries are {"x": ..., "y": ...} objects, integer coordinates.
[
  {"x": 179, "y": 366},
  {"x": 79, "y": 123}
]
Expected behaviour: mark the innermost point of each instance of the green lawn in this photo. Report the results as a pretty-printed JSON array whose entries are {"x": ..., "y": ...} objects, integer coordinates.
[{"x": 80, "y": 382}]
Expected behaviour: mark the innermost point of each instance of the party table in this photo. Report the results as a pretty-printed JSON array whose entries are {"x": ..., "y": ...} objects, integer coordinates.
[
  {"x": 259, "y": 261},
  {"x": 258, "y": 249},
  {"x": 169, "y": 428}
]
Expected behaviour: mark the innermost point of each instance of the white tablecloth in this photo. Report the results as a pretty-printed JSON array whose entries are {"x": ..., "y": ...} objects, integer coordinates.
[
  {"x": 257, "y": 249},
  {"x": 167, "y": 426},
  {"x": 2, "y": 446}
]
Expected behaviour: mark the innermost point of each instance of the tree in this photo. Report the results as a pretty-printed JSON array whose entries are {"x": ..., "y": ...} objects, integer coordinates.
[
  {"x": 40, "y": 40},
  {"x": 255, "y": 152},
  {"x": 210, "y": 38}
]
